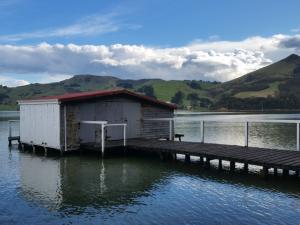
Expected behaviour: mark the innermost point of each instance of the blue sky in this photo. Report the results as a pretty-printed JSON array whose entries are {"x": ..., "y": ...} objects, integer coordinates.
[{"x": 210, "y": 40}]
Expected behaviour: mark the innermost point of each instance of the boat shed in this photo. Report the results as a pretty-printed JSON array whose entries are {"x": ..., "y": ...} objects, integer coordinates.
[{"x": 69, "y": 121}]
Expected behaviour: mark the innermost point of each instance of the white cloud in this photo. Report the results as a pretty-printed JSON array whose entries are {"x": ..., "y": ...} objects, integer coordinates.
[
  {"x": 12, "y": 82},
  {"x": 211, "y": 60},
  {"x": 87, "y": 26}
]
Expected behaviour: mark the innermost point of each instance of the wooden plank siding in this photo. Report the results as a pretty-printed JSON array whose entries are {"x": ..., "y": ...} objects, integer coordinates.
[{"x": 155, "y": 129}]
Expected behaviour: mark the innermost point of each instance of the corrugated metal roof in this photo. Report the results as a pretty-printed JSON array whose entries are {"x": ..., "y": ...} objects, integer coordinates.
[{"x": 70, "y": 97}]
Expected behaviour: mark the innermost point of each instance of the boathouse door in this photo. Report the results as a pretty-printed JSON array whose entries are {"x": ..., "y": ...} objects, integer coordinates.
[
  {"x": 132, "y": 116},
  {"x": 123, "y": 112},
  {"x": 120, "y": 112}
]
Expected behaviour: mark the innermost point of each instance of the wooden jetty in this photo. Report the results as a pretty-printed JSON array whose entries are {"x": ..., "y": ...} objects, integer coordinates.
[{"x": 267, "y": 158}]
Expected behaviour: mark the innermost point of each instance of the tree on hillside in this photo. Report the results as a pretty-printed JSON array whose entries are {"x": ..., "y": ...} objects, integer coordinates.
[
  {"x": 178, "y": 98},
  {"x": 194, "y": 99},
  {"x": 194, "y": 84},
  {"x": 147, "y": 90}
]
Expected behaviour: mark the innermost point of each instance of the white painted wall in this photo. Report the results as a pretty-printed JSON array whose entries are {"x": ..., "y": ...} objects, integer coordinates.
[{"x": 40, "y": 123}]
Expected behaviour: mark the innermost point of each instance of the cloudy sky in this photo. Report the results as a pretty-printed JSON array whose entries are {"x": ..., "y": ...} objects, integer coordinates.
[{"x": 48, "y": 41}]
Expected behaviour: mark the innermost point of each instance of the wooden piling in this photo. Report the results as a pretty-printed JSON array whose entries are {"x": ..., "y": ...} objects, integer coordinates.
[
  {"x": 201, "y": 160},
  {"x": 220, "y": 164},
  {"x": 275, "y": 172},
  {"x": 285, "y": 172},
  {"x": 246, "y": 167},
  {"x": 174, "y": 156},
  {"x": 232, "y": 166},
  {"x": 207, "y": 162},
  {"x": 187, "y": 158},
  {"x": 265, "y": 171}
]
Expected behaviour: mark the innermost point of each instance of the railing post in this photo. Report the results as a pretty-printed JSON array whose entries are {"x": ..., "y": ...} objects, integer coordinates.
[
  {"x": 102, "y": 139},
  {"x": 202, "y": 130},
  {"x": 298, "y": 133},
  {"x": 124, "y": 133},
  {"x": 10, "y": 130},
  {"x": 246, "y": 133},
  {"x": 171, "y": 127}
]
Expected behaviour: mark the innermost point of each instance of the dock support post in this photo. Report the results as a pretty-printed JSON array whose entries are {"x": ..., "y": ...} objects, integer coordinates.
[
  {"x": 246, "y": 133},
  {"x": 285, "y": 172},
  {"x": 33, "y": 149},
  {"x": 232, "y": 166},
  {"x": 207, "y": 162},
  {"x": 265, "y": 171},
  {"x": 246, "y": 167},
  {"x": 275, "y": 172},
  {"x": 174, "y": 156},
  {"x": 201, "y": 160},
  {"x": 220, "y": 164},
  {"x": 202, "y": 131},
  {"x": 298, "y": 138},
  {"x": 187, "y": 158}
]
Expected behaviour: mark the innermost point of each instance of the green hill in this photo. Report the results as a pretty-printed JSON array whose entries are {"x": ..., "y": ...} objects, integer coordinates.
[
  {"x": 273, "y": 87},
  {"x": 193, "y": 91}
]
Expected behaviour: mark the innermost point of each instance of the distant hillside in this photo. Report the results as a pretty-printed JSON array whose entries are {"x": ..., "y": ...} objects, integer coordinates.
[
  {"x": 276, "y": 86},
  {"x": 187, "y": 94}
]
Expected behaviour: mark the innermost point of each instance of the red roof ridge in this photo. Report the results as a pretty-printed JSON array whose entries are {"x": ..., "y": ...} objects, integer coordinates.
[{"x": 68, "y": 97}]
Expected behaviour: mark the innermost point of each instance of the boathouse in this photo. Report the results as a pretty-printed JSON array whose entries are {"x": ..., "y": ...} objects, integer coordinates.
[{"x": 69, "y": 121}]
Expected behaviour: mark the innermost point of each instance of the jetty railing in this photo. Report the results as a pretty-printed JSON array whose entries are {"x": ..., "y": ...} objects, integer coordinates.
[
  {"x": 105, "y": 124},
  {"x": 246, "y": 127}
]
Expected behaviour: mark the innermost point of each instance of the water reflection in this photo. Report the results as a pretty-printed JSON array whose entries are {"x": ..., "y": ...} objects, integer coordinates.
[{"x": 85, "y": 181}]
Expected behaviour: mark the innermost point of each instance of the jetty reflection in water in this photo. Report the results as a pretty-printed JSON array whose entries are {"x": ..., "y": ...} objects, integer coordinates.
[{"x": 85, "y": 181}]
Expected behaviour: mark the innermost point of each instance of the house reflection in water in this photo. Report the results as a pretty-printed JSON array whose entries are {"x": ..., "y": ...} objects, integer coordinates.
[{"x": 86, "y": 181}]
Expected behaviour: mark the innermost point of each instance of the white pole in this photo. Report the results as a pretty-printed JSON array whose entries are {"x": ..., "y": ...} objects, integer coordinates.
[
  {"x": 202, "y": 130},
  {"x": 65, "y": 123},
  {"x": 125, "y": 125},
  {"x": 298, "y": 133},
  {"x": 102, "y": 139},
  {"x": 246, "y": 133}
]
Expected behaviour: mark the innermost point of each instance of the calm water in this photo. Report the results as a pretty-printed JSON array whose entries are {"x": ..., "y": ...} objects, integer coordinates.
[{"x": 137, "y": 190}]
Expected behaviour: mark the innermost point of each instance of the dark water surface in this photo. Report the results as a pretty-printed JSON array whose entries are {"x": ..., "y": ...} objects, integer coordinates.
[{"x": 83, "y": 189}]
